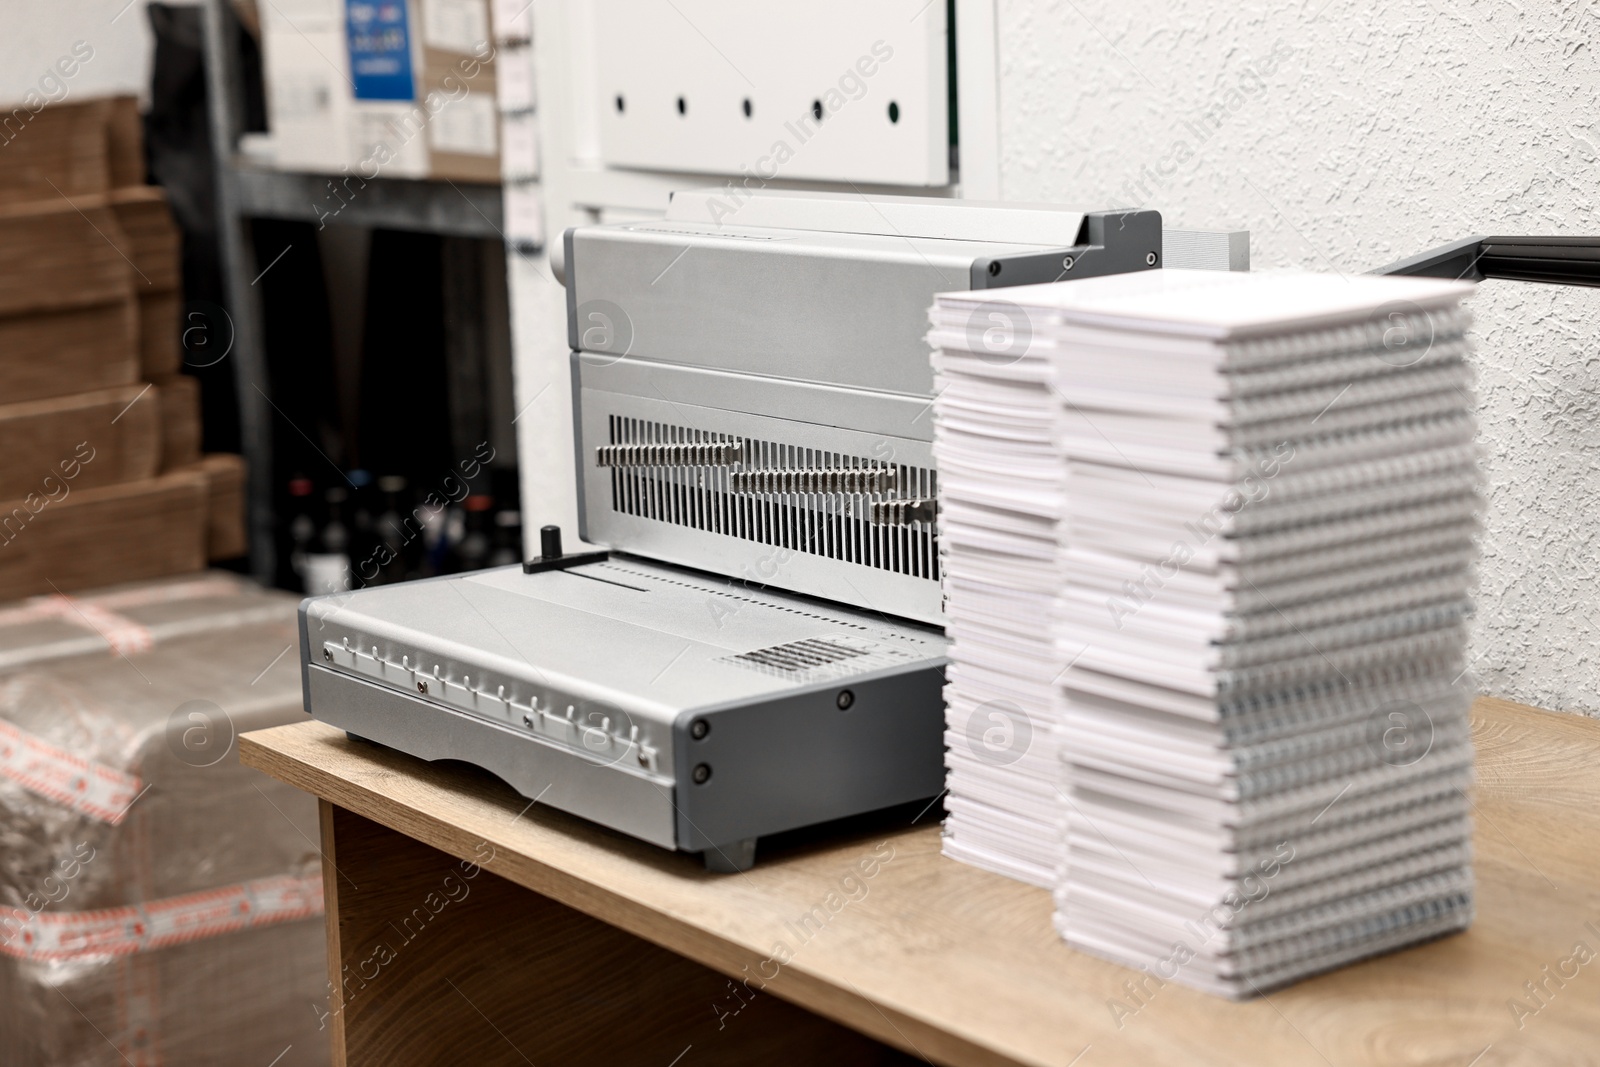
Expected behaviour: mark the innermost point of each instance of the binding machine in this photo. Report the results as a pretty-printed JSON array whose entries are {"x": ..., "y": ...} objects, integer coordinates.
[{"x": 754, "y": 646}]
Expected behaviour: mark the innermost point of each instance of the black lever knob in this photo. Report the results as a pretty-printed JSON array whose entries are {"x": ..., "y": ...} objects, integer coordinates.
[{"x": 550, "y": 542}]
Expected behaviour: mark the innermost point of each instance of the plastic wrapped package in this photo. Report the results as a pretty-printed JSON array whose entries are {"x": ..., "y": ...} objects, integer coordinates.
[
  {"x": 159, "y": 903},
  {"x": 242, "y": 998}
]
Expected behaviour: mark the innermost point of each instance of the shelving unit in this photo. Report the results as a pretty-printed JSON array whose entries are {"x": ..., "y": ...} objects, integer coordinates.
[
  {"x": 458, "y": 209},
  {"x": 245, "y": 191}
]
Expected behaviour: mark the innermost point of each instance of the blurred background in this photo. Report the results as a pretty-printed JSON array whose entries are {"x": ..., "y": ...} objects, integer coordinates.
[{"x": 277, "y": 316}]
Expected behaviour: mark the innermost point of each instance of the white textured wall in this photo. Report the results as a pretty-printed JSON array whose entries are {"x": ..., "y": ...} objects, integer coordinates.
[
  {"x": 1369, "y": 131},
  {"x": 36, "y": 33}
]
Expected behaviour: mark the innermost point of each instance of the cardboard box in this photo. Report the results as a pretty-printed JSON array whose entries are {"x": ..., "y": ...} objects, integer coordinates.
[
  {"x": 125, "y": 142},
  {"x": 155, "y": 244},
  {"x": 79, "y": 442},
  {"x": 178, "y": 402},
  {"x": 464, "y": 134},
  {"x": 55, "y": 150},
  {"x": 55, "y": 353},
  {"x": 57, "y": 255},
  {"x": 226, "y": 533},
  {"x": 93, "y": 537},
  {"x": 160, "y": 334}
]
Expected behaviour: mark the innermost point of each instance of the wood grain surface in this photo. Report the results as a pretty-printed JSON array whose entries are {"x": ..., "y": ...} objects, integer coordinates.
[
  {"x": 957, "y": 966},
  {"x": 442, "y": 962}
]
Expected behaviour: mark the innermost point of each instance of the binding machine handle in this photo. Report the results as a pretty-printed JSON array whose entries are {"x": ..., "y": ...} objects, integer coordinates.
[{"x": 1555, "y": 260}]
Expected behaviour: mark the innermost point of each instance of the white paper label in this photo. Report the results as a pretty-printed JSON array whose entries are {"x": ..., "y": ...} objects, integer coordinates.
[
  {"x": 466, "y": 125},
  {"x": 519, "y": 146},
  {"x": 302, "y": 16},
  {"x": 388, "y": 140},
  {"x": 524, "y": 214},
  {"x": 514, "y": 78},
  {"x": 513, "y": 19},
  {"x": 455, "y": 25}
]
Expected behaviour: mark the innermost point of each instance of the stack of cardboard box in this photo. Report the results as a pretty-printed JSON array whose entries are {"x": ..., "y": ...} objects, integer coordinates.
[{"x": 103, "y": 479}]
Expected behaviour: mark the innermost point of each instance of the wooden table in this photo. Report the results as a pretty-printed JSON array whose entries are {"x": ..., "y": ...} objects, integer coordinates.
[{"x": 467, "y": 927}]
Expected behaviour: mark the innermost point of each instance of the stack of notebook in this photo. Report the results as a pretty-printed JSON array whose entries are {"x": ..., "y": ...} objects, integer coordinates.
[
  {"x": 1265, "y": 557},
  {"x": 1000, "y": 485}
]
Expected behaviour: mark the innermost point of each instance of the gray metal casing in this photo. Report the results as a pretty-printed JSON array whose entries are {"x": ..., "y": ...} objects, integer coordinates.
[
  {"x": 822, "y": 288},
  {"x": 794, "y": 323},
  {"x": 580, "y": 687}
]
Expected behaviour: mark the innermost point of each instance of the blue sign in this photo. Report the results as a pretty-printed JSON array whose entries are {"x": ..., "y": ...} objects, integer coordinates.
[{"x": 379, "y": 39}]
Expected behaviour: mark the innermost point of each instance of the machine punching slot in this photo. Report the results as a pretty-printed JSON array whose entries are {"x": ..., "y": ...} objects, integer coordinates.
[
  {"x": 802, "y": 501},
  {"x": 670, "y": 454},
  {"x": 815, "y": 480}
]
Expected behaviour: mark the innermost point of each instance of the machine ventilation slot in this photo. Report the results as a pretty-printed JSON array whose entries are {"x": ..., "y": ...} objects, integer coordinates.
[
  {"x": 904, "y": 512},
  {"x": 817, "y": 659},
  {"x": 799, "y": 655},
  {"x": 834, "y": 524}
]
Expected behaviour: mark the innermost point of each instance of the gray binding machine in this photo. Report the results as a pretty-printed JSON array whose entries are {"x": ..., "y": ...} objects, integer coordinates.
[{"x": 749, "y": 641}]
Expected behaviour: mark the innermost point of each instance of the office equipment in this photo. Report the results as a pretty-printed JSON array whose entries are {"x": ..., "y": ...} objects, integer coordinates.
[
  {"x": 751, "y": 396},
  {"x": 1553, "y": 260},
  {"x": 943, "y": 962}
]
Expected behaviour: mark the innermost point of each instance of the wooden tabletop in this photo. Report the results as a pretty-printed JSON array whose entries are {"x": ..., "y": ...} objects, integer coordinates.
[{"x": 963, "y": 967}]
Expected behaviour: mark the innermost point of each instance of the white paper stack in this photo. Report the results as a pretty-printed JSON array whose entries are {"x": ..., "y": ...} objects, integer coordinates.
[
  {"x": 1266, "y": 558},
  {"x": 1000, "y": 485}
]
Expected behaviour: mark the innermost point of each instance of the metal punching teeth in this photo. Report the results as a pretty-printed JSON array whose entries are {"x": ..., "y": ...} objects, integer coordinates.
[
  {"x": 814, "y": 480},
  {"x": 903, "y": 512},
  {"x": 670, "y": 454}
]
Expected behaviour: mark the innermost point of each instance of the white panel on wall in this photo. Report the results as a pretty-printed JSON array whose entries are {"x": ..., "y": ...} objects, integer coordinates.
[
  {"x": 833, "y": 90},
  {"x": 581, "y": 183}
]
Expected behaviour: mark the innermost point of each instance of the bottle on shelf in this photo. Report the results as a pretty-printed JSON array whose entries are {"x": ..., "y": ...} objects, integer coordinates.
[
  {"x": 302, "y": 525},
  {"x": 507, "y": 538},
  {"x": 363, "y": 530},
  {"x": 435, "y": 524},
  {"x": 472, "y": 551},
  {"x": 328, "y": 561},
  {"x": 398, "y": 532}
]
